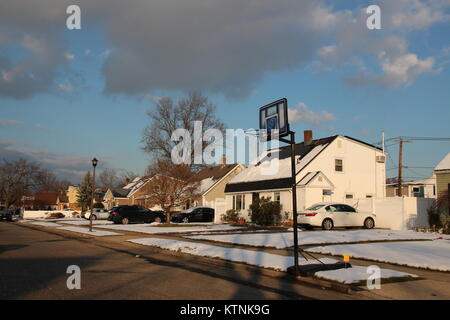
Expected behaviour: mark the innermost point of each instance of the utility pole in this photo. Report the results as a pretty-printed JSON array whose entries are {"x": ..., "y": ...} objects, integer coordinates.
[{"x": 400, "y": 167}]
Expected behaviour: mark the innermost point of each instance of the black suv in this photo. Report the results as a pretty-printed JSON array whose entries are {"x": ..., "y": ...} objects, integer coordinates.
[
  {"x": 135, "y": 214},
  {"x": 6, "y": 214},
  {"x": 196, "y": 214}
]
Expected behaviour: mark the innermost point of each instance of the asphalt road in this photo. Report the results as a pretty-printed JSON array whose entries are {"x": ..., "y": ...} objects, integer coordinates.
[{"x": 34, "y": 261}]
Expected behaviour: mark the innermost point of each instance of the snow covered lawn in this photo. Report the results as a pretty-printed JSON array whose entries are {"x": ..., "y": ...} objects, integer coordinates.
[
  {"x": 434, "y": 255},
  {"x": 153, "y": 228},
  {"x": 97, "y": 233},
  {"x": 85, "y": 222},
  {"x": 286, "y": 239},
  {"x": 357, "y": 274},
  {"x": 46, "y": 224},
  {"x": 262, "y": 259}
]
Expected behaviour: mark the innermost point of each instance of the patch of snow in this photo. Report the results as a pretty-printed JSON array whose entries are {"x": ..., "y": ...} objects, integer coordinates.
[
  {"x": 205, "y": 184},
  {"x": 87, "y": 222},
  {"x": 264, "y": 259},
  {"x": 434, "y": 255},
  {"x": 151, "y": 229},
  {"x": 256, "y": 173},
  {"x": 97, "y": 233},
  {"x": 357, "y": 274},
  {"x": 286, "y": 239},
  {"x": 257, "y": 258},
  {"x": 46, "y": 224}
]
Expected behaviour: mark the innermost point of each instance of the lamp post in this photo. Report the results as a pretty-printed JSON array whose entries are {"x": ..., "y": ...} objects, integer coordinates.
[{"x": 94, "y": 164}]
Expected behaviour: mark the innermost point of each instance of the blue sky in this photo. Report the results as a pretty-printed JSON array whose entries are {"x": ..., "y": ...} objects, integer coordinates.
[{"x": 338, "y": 77}]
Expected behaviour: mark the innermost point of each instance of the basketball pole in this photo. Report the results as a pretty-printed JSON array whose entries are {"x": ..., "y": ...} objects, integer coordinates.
[{"x": 294, "y": 199}]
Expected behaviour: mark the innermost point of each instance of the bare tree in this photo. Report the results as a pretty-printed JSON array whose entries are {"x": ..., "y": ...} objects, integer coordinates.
[
  {"x": 167, "y": 117},
  {"x": 17, "y": 178},
  {"x": 46, "y": 181},
  {"x": 109, "y": 179},
  {"x": 173, "y": 186}
]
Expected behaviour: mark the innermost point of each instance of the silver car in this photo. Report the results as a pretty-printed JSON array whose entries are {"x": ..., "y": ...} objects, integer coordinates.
[{"x": 97, "y": 214}]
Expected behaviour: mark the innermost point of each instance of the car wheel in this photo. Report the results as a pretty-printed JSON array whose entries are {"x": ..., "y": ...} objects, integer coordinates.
[
  {"x": 125, "y": 221},
  {"x": 327, "y": 224},
  {"x": 93, "y": 217},
  {"x": 158, "y": 219},
  {"x": 185, "y": 220},
  {"x": 369, "y": 223}
]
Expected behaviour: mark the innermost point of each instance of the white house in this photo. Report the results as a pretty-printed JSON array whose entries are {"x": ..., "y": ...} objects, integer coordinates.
[{"x": 337, "y": 168}]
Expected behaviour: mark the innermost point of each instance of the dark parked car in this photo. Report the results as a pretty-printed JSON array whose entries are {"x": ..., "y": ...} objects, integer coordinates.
[
  {"x": 196, "y": 214},
  {"x": 6, "y": 214},
  {"x": 135, "y": 214}
]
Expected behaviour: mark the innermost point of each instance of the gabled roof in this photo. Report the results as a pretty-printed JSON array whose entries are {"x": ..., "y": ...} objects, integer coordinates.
[
  {"x": 444, "y": 164},
  {"x": 209, "y": 176},
  {"x": 253, "y": 178},
  {"x": 120, "y": 192},
  {"x": 215, "y": 173}
]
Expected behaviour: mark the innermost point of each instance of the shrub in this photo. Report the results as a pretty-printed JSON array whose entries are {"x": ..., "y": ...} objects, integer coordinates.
[
  {"x": 55, "y": 215},
  {"x": 265, "y": 212},
  {"x": 230, "y": 216}
]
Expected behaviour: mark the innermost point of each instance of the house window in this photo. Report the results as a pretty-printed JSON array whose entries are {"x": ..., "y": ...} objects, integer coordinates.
[
  {"x": 348, "y": 196},
  {"x": 339, "y": 165},
  {"x": 276, "y": 197},
  {"x": 239, "y": 202},
  {"x": 369, "y": 196},
  {"x": 416, "y": 189}
]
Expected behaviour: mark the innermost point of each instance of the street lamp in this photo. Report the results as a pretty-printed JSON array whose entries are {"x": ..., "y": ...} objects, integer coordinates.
[{"x": 94, "y": 164}]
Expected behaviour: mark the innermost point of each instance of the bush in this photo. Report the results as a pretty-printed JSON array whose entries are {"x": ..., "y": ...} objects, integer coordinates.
[
  {"x": 230, "y": 216},
  {"x": 265, "y": 212},
  {"x": 55, "y": 215}
]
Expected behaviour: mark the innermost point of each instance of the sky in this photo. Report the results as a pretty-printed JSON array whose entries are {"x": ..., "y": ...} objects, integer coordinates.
[{"x": 67, "y": 96}]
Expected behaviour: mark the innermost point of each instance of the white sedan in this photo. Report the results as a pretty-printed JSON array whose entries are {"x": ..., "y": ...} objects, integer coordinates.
[
  {"x": 98, "y": 214},
  {"x": 330, "y": 215}
]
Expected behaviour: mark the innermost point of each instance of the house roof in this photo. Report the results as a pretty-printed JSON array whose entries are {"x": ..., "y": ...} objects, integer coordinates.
[
  {"x": 444, "y": 164},
  {"x": 46, "y": 198},
  {"x": 256, "y": 178},
  {"x": 215, "y": 173},
  {"x": 275, "y": 164},
  {"x": 209, "y": 176},
  {"x": 120, "y": 192}
]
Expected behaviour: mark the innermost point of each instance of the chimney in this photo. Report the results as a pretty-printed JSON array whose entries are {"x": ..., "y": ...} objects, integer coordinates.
[
  {"x": 307, "y": 136},
  {"x": 127, "y": 181},
  {"x": 224, "y": 161}
]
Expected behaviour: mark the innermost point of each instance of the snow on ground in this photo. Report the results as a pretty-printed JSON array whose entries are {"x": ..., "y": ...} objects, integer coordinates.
[
  {"x": 152, "y": 229},
  {"x": 258, "y": 258},
  {"x": 86, "y": 222},
  {"x": 263, "y": 259},
  {"x": 286, "y": 239},
  {"x": 357, "y": 274},
  {"x": 46, "y": 224},
  {"x": 434, "y": 255},
  {"x": 97, "y": 233}
]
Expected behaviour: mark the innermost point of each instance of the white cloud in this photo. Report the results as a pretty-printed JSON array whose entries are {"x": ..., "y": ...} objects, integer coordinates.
[
  {"x": 404, "y": 69},
  {"x": 69, "y": 56},
  {"x": 10, "y": 123},
  {"x": 303, "y": 113},
  {"x": 66, "y": 87}
]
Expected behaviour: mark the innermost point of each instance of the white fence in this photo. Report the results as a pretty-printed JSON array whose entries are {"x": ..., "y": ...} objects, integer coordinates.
[{"x": 396, "y": 213}]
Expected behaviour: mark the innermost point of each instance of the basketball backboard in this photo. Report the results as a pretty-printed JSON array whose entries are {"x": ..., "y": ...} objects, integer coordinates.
[{"x": 273, "y": 120}]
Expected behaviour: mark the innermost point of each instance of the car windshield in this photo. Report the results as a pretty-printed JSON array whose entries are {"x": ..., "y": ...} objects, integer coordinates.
[
  {"x": 315, "y": 207},
  {"x": 189, "y": 210}
]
